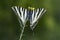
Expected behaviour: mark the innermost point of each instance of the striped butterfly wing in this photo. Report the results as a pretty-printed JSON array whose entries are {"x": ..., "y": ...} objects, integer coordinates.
[
  {"x": 36, "y": 14},
  {"x": 21, "y": 13}
]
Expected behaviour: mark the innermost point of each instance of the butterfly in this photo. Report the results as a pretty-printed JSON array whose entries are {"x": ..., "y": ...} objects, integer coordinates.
[{"x": 32, "y": 14}]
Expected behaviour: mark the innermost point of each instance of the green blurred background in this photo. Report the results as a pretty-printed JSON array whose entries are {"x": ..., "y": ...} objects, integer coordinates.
[{"x": 48, "y": 27}]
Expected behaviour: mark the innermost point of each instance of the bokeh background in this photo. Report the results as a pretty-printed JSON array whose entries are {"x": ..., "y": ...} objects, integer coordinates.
[{"x": 48, "y": 27}]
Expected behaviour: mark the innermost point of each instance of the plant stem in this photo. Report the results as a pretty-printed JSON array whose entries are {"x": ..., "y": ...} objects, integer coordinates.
[{"x": 22, "y": 33}]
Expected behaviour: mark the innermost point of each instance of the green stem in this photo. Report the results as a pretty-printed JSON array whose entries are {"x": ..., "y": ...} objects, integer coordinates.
[{"x": 22, "y": 33}]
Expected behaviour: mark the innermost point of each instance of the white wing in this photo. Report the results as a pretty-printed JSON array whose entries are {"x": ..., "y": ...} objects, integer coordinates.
[
  {"x": 21, "y": 13},
  {"x": 36, "y": 14}
]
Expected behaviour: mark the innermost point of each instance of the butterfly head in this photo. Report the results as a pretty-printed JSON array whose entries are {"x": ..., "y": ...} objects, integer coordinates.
[{"x": 31, "y": 8}]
